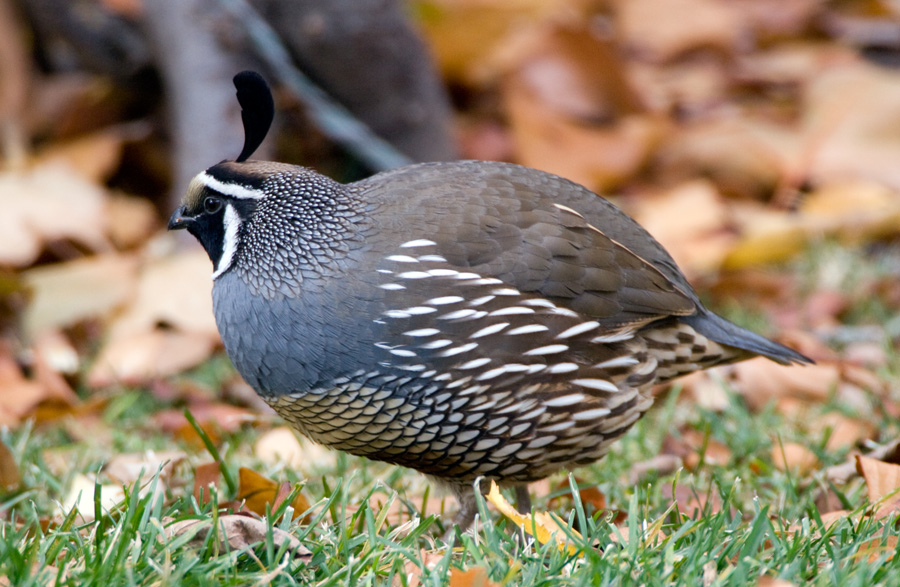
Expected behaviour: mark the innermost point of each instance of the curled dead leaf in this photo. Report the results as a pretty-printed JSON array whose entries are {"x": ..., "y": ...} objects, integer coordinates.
[
  {"x": 545, "y": 526},
  {"x": 792, "y": 456},
  {"x": 258, "y": 492},
  {"x": 237, "y": 532}
]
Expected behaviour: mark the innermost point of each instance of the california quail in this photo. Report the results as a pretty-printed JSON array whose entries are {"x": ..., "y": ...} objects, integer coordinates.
[{"x": 462, "y": 319}]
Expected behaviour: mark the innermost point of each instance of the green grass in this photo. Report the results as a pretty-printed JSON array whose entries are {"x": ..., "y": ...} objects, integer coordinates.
[
  {"x": 767, "y": 523},
  {"x": 353, "y": 545}
]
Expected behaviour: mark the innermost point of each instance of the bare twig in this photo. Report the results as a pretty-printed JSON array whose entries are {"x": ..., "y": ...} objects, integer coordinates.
[{"x": 333, "y": 120}]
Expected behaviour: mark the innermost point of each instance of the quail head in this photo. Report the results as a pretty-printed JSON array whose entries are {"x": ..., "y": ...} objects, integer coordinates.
[{"x": 462, "y": 319}]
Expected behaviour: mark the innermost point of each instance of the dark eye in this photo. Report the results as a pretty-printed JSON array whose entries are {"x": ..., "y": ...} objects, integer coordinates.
[{"x": 212, "y": 204}]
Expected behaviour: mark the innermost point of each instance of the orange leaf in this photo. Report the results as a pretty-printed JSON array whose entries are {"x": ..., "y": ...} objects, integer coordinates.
[
  {"x": 882, "y": 479},
  {"x": 472, "y": 577},
  {"x": 257, "y": 492},
  {"x": 545, "y": 526}
]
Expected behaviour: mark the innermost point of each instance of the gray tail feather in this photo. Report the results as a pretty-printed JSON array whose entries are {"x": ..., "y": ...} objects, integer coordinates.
[{"x": 724, "y": 332}]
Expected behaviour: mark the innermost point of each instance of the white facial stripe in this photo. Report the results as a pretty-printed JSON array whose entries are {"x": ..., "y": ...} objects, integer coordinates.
[
  {"x": 232, "y": 223},
  {"x": 229, "y": 189}
]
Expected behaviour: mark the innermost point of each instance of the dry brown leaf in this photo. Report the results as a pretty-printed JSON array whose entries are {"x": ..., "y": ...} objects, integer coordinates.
[
  {"x": 705, "y": 391},
  {"x": 852, "y": 112},
  {"x": 20, "y": 396},
  {"x": 257, "y": 492},
  {"x": 877, "y": 548},
  {"x": 45, "y": 204},
  {"x": 213, "y": 418},
  {"x": 698, "y": 241},
  {"x": 10, "y": 478},
  {"x": 767, "y": 581},
  {"x": 66, "y": 293},
  {"x": 95, "y": 157},
  {"x": 760, "y": 381},
  {"x": 238, "y": 532},
  {"x": 658, "y": 29},
  {"x": 471, "y": 577},
  {"x": 128, "y": 468},
  {"x": 280, "y": 445},
  {"x": 545, "y": 526},
  {"x": 463, "y": 34},
  {"x": 882, "y": 479},
  {"x": 413, "y": 572},
  {"x": 767, "y": 236},
  {"x": 131, "y": 220},
  {"x": 206, "y": 476},
  {"x": 81, "y": 498},
  {"x": 845, "y": 432},
  {"x": 791, "y": 456},
  {"x": 142, "y": 357},
  {"x": 599, "y": 157}
]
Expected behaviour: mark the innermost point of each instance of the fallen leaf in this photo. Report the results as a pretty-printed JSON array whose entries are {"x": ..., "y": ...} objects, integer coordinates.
[
  {"x": 760, "y": 381},
  {"x": 131, "y": 220},
  {"x": 413, "y": 571},
  {"x": 792, "y": 456},
  {"x": 81, "y": 498},
  {"x": 471, "y": 577},
  {"x": 656, "y": 28},
  {"x": 882, "y": 479},
  {"x": 142, "y": 357},
  {"x": 213, "y": 418},
  {"x": 280, "y": 445},
  {"x": 206, "y": 476},
  {"x": 698, "y": 241},
  {"x": 66, "y": 293},
  {"x": 94, "y": 157},
  {"x": 45, "y": 204},
  {"x": 545, "y": 526},
  {"x": 238, "y": 532},
  {"x": 257, "y": 492},
  {"x": 844, "y": 432},
  {"x": 10, "y": 478},
  {"x": 128, "y": 468}
]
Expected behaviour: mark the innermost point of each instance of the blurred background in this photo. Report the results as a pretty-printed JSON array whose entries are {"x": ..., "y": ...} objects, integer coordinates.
[{"x": 758, "y": 140}]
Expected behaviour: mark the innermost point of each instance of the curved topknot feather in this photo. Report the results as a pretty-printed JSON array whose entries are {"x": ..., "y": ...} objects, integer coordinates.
[{"x": 257, "y": 110}]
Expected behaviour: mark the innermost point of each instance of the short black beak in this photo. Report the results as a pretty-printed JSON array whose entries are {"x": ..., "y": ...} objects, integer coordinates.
[{"x": 178, "y": 219}]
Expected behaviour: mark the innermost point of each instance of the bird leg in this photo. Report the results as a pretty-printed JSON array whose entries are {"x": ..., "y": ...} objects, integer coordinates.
[{"x": 523, "y": 500}]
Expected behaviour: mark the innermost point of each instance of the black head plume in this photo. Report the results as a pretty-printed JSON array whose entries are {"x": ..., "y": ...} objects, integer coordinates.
[{"x": 257, "y": 110}]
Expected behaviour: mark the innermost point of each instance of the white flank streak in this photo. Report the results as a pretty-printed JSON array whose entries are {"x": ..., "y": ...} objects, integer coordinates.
[
  {"x": 397, "y": 314},
  {"x": 459, "y": 349},
  {"x": 232, "y": 223},
  {"x": 536, "y": 368},
  {"x": 413, "y": 275},
  {"x": 422, "y": 242},
  {"x": 419, "y": 310},
  {"x": 458, "y": 314},
  {"x": 506, "y": 291},
  {"x": 539, "y": 302},
  {"x": 491, "y": 374},
  {"x": 548, "y": 350},
  {"x": 564, "y": 312},
  {"x": 422, "y": 332},
  {"x": 567, "y": 209},
  {"x": 437, "y": 344},
  {"x": 444, "y": 300},
  {"x": 487, "y": 281},
  {"x": 442, "y": 272},
  {"x": 385, "y": 271},
  {"x": 598, "y": 384},
  {"x": 528, "y": 329},
  {"x": 511, "y": 310},
  {"x": 433, "y": 258},
  {"x": 475, "y": 363},
  {"x": 411, "y": 367},
  {"x": 402, "y": 353},
  {"x": 562, "y": 368},
  {"x": 625, "y": 361},
  {"x": 578, "y": 329},
  {"x": 591, "y": 414},
  {"x": 402, "y": 259},
  {"x": 391, "y": 286},
  {"x": 615, "y": 337},
  {"x": 565, "y": 400},
  {"x": 481, "y": 300},
  {"x": 492, "y": 329},
  {"x": 229, "y": 189},
  {"x": 468, "y": 276}
]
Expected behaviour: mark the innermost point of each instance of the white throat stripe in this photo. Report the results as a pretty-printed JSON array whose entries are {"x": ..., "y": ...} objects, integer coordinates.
[
  {"x": 229, "y": 189},
  {"x": 232, "y": 223}
]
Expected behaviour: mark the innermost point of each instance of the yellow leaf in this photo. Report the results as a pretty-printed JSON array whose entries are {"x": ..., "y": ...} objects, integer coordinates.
[
  {"x": 545, "y": 526},
  {"x": 257, "y": 491}
]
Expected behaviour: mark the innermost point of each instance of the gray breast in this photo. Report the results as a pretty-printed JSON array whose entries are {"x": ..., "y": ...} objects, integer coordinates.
[{"x": 284, "y": 345}]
